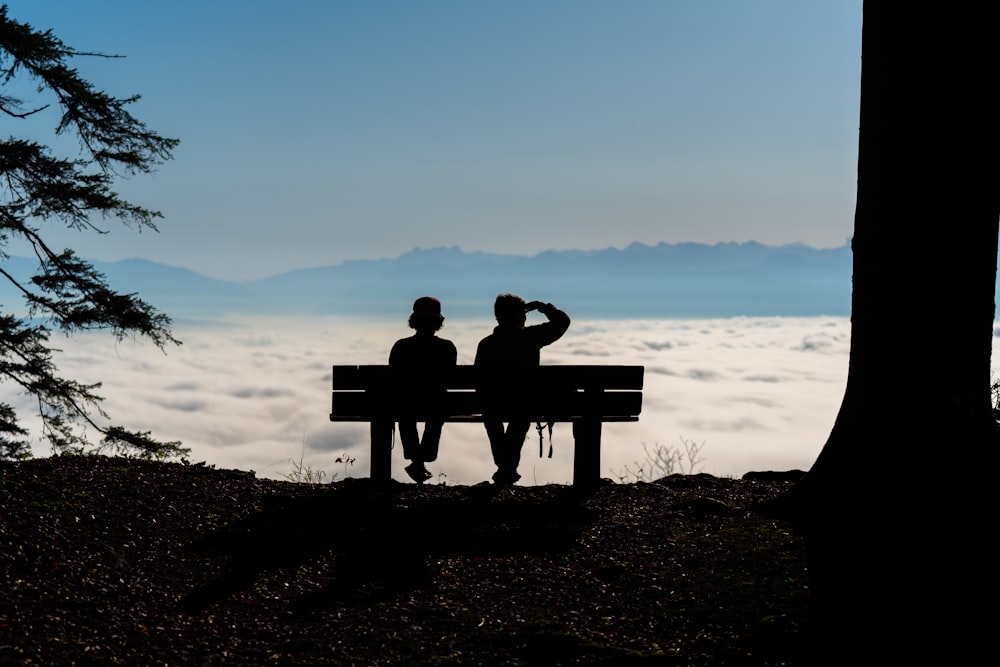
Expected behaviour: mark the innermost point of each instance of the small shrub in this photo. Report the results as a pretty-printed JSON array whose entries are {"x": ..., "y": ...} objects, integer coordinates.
[
  {"x": 346, "y": 461},
  {"x": 663, "y": 460},
  {"x": 302, "y": 473}
]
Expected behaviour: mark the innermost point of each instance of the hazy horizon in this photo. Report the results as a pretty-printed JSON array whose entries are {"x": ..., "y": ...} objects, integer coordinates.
[
  {"x": 569, "y": 249},
  {"x": 250, "y": 393}
]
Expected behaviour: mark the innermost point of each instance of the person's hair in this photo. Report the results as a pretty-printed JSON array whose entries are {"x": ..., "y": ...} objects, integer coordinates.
[
  {"x": 426, "y": 322},
  {"x": 426, "y": 314},
  {"x": 509, "y": 308}
]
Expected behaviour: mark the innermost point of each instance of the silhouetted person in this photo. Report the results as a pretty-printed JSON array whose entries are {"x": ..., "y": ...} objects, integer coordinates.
[
  {"x": 420, "y": 363},
  {"x": 507, "y": 357}
]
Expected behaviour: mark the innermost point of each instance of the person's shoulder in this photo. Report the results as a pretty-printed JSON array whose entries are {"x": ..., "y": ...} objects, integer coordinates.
[
  {"x": 447, "y": 351},
  {"x": 400, "y": 351},
  {"x": 486, "y": 348},
  {"x": 445, "y": 343}
]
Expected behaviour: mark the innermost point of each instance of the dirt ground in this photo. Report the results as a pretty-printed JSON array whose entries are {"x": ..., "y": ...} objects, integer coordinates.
[{"x": 113, "y": 561}]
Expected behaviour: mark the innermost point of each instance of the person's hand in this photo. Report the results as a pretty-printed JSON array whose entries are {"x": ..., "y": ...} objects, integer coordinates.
[{"x": 542, "y": 307}]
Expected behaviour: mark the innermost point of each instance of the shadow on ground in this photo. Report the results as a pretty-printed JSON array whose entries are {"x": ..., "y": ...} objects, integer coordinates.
[{"x": 381, "y": 537}]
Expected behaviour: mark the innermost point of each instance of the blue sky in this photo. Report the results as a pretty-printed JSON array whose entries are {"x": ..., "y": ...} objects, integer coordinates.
[{"x": 314, "y": 132}]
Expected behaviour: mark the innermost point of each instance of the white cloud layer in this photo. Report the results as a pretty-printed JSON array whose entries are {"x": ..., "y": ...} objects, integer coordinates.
[{"x": 760, "y": 393}]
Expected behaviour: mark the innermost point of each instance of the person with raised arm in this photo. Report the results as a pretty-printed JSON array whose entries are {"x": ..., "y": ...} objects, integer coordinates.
[{"x": 507, "y": 358}]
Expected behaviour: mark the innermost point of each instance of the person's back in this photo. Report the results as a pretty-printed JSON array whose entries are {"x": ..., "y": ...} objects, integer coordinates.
[
  {"x": 421, "y": 358},
  {"x": 516, "y": 347},
  {"x": 419, "y": 364},
  {"x": 506, "y": 358}
]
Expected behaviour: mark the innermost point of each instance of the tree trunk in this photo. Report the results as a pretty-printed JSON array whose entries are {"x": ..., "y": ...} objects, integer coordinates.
[{"x": 897, "y": 510}]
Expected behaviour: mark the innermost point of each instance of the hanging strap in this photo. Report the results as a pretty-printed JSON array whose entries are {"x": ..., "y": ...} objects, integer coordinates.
[{"x": 541, "y": 439}]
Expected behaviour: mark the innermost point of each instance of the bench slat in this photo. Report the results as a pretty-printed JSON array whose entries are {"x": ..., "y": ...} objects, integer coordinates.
[
  {"x": 467, "y": 406},
  {"x": 464, "y": 377}
]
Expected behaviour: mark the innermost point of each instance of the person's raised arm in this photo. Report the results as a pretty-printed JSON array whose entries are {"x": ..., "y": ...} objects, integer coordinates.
[{"x": 558, "y": 321}]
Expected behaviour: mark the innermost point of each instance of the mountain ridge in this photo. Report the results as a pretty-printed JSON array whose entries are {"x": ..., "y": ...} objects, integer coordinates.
[{"x": 666, "y": 280}]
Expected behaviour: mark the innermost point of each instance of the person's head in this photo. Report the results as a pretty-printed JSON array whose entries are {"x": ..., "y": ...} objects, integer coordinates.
[
  {"x": 426, "y": 314},
  {"x": 509, "y": 310}
]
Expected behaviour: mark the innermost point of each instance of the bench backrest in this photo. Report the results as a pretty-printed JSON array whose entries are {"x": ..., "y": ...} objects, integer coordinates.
[{"x": 557, "y": 393}]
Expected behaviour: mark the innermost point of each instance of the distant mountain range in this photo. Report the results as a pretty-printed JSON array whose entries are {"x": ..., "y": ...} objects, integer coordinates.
[{"x": 683, "y": 280}]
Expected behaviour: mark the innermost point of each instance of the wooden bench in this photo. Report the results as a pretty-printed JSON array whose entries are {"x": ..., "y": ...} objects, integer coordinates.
[{"x": 586, "y": 396}]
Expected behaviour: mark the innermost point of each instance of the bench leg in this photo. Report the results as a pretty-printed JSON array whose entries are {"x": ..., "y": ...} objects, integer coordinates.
[
  {"x": 586, "y": 453},
  {"x": 381, "y": 450}
]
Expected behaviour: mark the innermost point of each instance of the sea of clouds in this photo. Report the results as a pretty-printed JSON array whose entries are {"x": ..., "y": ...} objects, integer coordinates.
[{"x": 254, "y": 393}]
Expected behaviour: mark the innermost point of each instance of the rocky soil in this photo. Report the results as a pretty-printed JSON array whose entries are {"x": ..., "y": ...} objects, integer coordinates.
[{"x": 113, "y": 561}]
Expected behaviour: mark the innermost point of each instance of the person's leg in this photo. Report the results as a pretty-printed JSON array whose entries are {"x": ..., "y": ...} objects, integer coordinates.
[
  {"x": 430, "y": 441},
  {"x": 411, "y": 451},
  {"x": 410, "y": 440},
  {"x": 506, "y": 472},
  {"x": 495, "y": 432},
  {"x": 516, "y": 433}
]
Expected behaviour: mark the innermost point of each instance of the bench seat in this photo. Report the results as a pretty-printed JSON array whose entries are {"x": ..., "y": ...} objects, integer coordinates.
[{"x": 587, "y": 396}]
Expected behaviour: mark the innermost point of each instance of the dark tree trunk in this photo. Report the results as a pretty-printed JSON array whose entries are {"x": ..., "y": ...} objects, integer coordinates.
[{"x": 898, "y": 510}]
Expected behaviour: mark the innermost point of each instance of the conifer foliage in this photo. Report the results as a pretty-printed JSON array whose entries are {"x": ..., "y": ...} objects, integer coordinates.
[{"x": 39, "y": 190}]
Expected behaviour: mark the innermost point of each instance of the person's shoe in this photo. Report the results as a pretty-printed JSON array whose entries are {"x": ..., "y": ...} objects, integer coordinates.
[
  {"x": 505, "y": 477},
  {"x": 418, "y": 472}
]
